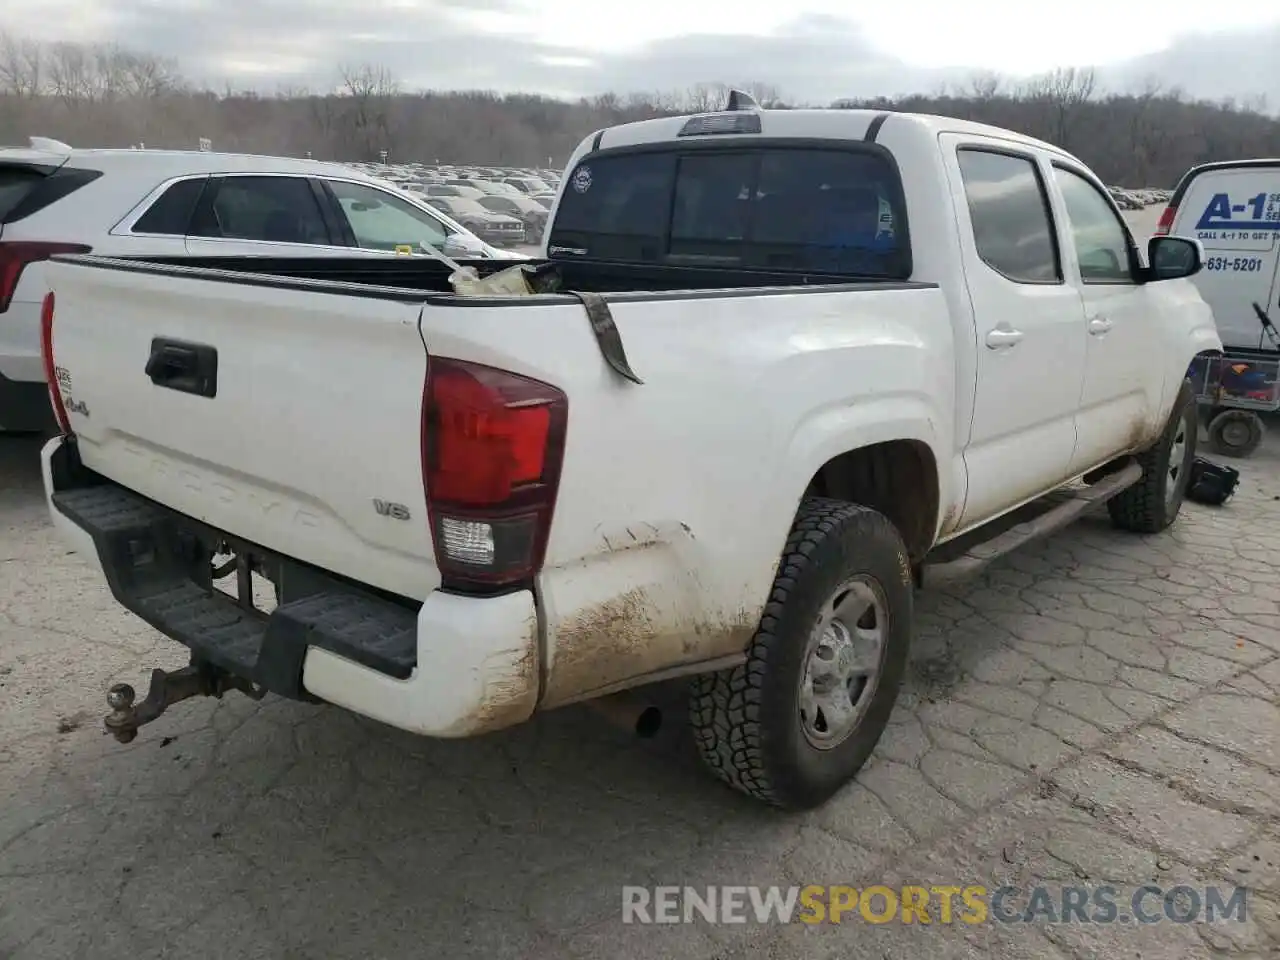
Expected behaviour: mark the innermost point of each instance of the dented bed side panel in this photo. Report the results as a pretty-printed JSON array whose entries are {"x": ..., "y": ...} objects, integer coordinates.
[{"x": 676, "y": 495}]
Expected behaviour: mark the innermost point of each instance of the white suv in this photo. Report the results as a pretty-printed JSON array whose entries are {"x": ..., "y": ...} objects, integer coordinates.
[{"x": 172, "y": 203}]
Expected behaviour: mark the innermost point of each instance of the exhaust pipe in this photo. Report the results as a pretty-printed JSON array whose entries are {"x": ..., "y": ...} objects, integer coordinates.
[{"x": 633, "y": 714}]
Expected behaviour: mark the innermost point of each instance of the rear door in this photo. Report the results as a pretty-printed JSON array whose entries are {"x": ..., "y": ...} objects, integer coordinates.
[
  {"x": 1235, "y": 213},
  {"x": 265, "y": 215},
  {"x": 1029, "y": 324}
]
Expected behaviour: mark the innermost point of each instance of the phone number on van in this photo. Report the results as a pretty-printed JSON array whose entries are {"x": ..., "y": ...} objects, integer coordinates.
[{"x": 1242, "y": 264}]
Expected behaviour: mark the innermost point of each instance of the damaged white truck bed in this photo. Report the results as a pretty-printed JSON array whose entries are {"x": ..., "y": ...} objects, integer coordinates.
[{"x": 829, "y": 354}]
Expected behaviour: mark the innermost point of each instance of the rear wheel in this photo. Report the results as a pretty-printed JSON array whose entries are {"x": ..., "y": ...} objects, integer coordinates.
[
  {"x": 1153, "y": 503},
  {"x": 798, "y": 720}
]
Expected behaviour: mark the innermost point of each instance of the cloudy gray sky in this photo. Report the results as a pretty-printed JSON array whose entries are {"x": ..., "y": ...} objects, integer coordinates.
[{"x": 813, "y": 50}]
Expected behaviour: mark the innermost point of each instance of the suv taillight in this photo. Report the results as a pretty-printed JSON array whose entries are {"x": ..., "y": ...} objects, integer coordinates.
[
  {"x": 15, "y": 255},
  {"x": 492, "y": 448},
  {"x": 51, "y": 368},
  {"x": 1166, "y": 221}
]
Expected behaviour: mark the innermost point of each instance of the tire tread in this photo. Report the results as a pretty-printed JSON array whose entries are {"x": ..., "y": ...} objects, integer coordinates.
[
  {"x": 1141, "y": 508},
  {"x": 725, "y": 707}
]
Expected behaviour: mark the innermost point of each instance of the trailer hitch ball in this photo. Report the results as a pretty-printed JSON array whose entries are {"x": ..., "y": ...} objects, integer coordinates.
[
  {"x": 121, "y": 722},
  {"x": 198, "y": 679}
]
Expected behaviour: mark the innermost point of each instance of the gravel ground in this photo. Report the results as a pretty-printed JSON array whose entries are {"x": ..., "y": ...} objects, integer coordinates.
[
  {"x": 1143, "y": 222},
  {"x": 1096, "y": 709}
]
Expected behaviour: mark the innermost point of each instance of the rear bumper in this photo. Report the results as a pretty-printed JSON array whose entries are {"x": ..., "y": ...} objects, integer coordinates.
[{"x": 451, "y": 666}]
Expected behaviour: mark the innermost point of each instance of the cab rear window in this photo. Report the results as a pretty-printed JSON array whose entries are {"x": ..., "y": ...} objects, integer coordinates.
[{"x": 804, "y": 209}]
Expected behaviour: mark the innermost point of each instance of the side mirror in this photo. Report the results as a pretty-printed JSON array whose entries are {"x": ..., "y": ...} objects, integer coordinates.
[{"x": 1172, "y": 258}]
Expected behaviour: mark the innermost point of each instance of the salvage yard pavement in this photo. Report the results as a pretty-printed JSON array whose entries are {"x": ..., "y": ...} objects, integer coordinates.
[{"x": 1098, "y": 710}]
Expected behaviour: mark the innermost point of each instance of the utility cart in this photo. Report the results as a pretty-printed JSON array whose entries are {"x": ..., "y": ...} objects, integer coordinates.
[{"x": 1235, "y": 388}]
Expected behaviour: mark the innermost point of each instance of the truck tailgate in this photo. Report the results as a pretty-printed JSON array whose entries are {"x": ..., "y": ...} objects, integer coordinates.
[{"x": 299, "y": 430}]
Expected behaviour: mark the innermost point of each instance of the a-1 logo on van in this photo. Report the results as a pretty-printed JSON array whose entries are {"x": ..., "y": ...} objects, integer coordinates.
[{"x": 1261, "y": 212}]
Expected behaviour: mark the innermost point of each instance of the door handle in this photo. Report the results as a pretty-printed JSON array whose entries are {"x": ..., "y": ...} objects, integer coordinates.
[
  {"x": 1003, "y": 337},
  {"x": 1099, "y": 325}
]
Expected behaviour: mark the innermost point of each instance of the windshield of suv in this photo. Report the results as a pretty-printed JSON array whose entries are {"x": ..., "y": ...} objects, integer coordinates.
[{"x": 812, "y": 209}]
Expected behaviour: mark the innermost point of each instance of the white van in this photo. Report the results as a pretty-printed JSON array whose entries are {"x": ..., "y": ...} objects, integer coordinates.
[{"x": 1233, "y": 208}]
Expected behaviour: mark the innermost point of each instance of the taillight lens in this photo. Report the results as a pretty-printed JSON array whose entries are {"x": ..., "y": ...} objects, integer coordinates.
[
  {"x": 492, "y": 447},
  {"x": 15, "y": 255},
  {"x": 1166, "y": 221},
  {"x": 51, "y": 368}
]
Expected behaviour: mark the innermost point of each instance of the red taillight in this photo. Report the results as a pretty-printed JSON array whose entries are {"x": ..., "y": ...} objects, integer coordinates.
[
  {"x": 50, "y": 368},
  {"x": 16, "y": 254},
  {"x": 492, "y": 445},
  {"x": 1166, "y": 221}
]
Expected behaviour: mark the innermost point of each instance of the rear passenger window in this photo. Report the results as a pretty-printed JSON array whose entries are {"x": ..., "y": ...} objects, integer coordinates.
[
  {"x": 171, "y": 213},
  {"x": 712, "y": 202},
  {"x": 1012, "y": 226},
  {"x": 620, "y": 196},
  {"x": 271, "y": 209},
  {"x": 830, "y": 210},
  {"x": 836, "y": 211}
]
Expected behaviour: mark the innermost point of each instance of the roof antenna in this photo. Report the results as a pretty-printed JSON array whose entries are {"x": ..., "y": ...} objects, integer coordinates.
[{"x": 740, "y": 100}]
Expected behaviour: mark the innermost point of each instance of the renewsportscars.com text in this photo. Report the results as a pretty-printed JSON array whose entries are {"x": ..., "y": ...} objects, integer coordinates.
[{"x": 945, "y": 904}]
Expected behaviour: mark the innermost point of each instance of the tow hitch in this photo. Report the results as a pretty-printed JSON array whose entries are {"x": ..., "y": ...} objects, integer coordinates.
[{"x": 168, "y": 687}]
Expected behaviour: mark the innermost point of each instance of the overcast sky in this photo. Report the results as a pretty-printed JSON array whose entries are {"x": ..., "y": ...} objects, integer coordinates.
[{"x": 812, "y": 50}]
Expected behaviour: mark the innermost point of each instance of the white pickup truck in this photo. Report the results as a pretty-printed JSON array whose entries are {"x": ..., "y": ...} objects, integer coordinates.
[{"x": 799, "y": 363}]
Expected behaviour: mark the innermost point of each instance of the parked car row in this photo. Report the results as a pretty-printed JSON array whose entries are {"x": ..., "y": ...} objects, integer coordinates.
[
  {"x": 157, "y": 203},
  {"x": 508, "y": 206},
  {"x": 1137, "y": 199}
]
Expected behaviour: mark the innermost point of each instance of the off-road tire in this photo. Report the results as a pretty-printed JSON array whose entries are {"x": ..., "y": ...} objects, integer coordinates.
[
  {"x": 1145, "y": 507},
  {"x": 1219, "y": 425},
  {"x": 746, "y": 720}
]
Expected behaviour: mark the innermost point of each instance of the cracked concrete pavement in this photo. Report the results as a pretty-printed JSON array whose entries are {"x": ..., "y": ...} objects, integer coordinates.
[{"x": 1098, "y": 708}]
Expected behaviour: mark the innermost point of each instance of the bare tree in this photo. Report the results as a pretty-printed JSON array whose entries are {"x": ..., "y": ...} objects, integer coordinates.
[
  {"x": 702, "y": 98},
  {"x": 367, "y": 90},
  {"x": 1062, "y": 92},
  {"x": 984, "y": 85},
  {"x": 765, "y": 94},
  {"x": 21, "y": 66},
  {"x": 113, "y": 96},
  {"x": 145, "y": 76}
]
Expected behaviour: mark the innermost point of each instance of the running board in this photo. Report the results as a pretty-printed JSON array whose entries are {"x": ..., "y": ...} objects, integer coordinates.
[{"x": 976, "y": 553}]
